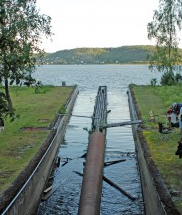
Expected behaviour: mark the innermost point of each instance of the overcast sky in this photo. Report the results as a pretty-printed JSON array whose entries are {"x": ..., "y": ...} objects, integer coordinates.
[{"x": 97, "y": 23}]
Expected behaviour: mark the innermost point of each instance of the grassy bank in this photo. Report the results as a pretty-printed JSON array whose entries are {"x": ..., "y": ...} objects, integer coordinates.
[
  {"x": 159, "y": 99},
  {"x": 18, "y": 146}
]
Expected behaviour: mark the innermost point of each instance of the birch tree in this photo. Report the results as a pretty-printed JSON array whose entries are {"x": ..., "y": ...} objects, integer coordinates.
[
  {"x": 21, "y": 30},
  {"x": 164, "y": 30}
]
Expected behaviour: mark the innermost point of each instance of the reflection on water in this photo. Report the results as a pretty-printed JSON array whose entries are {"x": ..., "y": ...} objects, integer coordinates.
[{"x": 119, "y": 141}]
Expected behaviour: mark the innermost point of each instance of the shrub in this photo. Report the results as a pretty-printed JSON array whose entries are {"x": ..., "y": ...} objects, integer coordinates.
[
  {"x": 170, "y": 79},
  {"x": 153, "y": 81}
]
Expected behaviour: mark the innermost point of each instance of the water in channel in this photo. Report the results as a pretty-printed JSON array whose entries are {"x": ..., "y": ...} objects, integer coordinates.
[{"x": 119, "y": 140}]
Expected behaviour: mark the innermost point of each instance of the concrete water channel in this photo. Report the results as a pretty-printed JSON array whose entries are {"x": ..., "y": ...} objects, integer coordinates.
[
  {"x": 119, "y": 145},
  {"x": 67, "y": 185}
]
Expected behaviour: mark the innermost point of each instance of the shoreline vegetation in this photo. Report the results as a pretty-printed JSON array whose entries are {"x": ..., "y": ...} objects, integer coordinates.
[
  {"x": 22, "y": 138},
  {"x": 159, "y": 99},
  {"x": 136, "y": 54}
]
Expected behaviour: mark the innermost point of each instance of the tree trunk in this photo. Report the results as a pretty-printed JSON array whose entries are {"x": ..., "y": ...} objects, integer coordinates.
[{"x": 8, "y": 98}]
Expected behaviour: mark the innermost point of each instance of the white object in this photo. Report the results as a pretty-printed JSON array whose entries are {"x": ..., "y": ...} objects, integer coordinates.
[{"x": 173, "y": 117}]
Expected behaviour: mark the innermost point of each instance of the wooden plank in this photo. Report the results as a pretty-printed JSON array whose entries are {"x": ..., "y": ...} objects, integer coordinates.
[
  {"x": 118, "y": 188},
  {"x": 48, "y": 189},
  {"x": 113, "y": 185},
  {"x": 122, "y": 123},
  {"x": 113, "y": 162},
  {"x": 45, "y": 197}
]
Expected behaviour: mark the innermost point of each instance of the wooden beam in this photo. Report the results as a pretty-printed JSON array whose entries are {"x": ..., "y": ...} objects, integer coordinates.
[
  {"x": 113, "y": 185},
  {"x": 122, "y": 123}
]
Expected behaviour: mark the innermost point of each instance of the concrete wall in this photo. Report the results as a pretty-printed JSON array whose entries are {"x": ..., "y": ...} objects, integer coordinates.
[
  {"x": 28, "y": 198},
  {"x": 153, "y": 205}
]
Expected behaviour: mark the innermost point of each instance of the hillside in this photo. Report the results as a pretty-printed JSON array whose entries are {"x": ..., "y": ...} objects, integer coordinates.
[{"x": 124, "y": 54}]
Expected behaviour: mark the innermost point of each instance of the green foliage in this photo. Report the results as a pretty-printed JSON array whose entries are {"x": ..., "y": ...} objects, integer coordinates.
[
  {"x": 3, "y": 105},
  {"x": 62, "y": 110},
  {"x": 21, "y": 30},
  {"x": 160, "y": 61},
  {"x": 29, "y": 81},
  {"x": 169, "y": 78},
  {"x": 178, "y": 78},
  {"x": 90, "y": 51},
  {"x": 5, "y": 111},
  {"x": 153, "y": 81},
  {"x": 38, "y": 87},
  {"x": 164, "y": 27}
]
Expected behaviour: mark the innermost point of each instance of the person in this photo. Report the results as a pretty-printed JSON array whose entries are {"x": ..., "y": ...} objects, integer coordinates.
[
  {"x": 172, "y": 118},
  {"x": 168, "y": 115},
  {"x": 177, "y": 108},
  {"x": 179, "y": 148},
  {"x": 180, "y": 120}
]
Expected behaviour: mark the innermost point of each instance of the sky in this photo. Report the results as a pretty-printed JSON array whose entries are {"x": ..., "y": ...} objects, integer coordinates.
[{"x": 97, "y": 23}]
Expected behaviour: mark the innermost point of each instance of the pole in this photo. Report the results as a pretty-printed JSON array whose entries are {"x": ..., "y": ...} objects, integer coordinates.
[{"x": 90, "y": 198}]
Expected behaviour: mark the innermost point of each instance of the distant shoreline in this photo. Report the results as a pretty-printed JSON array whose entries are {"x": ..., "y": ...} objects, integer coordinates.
[
  {"x": 97, "y": 64},
  {"x": 120, "y": 55}
]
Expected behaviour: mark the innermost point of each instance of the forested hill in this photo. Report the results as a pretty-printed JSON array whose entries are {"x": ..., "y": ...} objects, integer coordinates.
[{"x": 124, "y": 54}]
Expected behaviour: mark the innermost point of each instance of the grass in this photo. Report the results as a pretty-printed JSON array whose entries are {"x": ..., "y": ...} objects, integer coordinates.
[
  {"x": 17, "y": 147},
  {"x": 159, "y": 99}
]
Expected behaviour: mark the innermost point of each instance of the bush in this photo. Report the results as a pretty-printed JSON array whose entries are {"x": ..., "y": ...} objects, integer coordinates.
[
  {"x": 178, "y": 78},
  {"x": 168, "y": 78},
  {"x": 153, "y": 81}
]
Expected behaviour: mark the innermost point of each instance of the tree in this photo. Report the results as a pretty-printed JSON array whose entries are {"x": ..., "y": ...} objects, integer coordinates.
[
  {"x": 164, "y": 27},
  {"x": 21, "y": 30},
  {"x": 4, "y": 108}
]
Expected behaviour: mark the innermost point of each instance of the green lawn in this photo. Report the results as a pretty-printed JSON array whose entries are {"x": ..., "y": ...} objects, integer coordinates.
[
  {"x": 17, "y": 147},
  {"x": 159, "y": 99}
]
